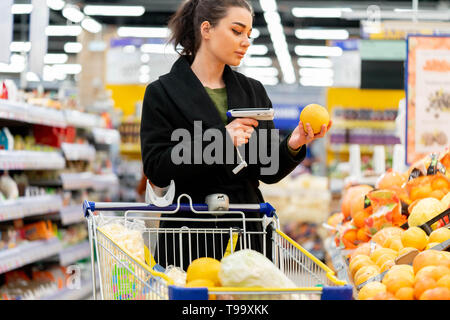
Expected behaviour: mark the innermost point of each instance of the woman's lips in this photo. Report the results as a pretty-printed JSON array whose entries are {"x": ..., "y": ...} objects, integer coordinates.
[{"x": 240, "y": 54}]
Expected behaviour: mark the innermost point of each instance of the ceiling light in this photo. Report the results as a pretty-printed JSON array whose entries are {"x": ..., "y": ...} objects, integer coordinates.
[
  {"x": 260, "y": 71},
  {"x": 314, "y": 62},
  {"x": 257, "y": 49},
  {"x": 319, "y": 12},
  {"x": 56, "y": 4},
  {"x": 73, "y": 47},
  {"x": 67, "y": 68},
  {"x": 99, "y": 10},
  {"x": 144, "y": 78},
  {"x": 20, "y": 46},
  {"x": 21, "y": 8},
  {"x": 32, "y": 77},
  {"x": 267, "y": 81},
  {"x": 316, "y": 72},
  {"x": 158, "y": 48},
  {"x": 145, "y": 58},
  {"x": 143, "y": 32},
  {"x": 316, "y": 82},
  {"x": 318, "y": 51},
  {"x": 52, "y": 58},
  {"x": 72, "y": 13},
  {"x": 257, "y": 62},
  {"x": 91, "y": 25},
  {"x": 322, "y": 34},
  {"x": 129, "y": 49},
  {"x": 63, "y": 31}
]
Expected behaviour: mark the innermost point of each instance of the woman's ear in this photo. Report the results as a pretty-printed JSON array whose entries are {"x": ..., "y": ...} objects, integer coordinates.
[{"x": 205, "y": 30}]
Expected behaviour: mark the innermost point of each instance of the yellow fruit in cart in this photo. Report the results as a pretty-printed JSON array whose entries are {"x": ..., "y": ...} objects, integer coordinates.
[
  {"x": 358, "y": 262},
  {"x": 396, "y": 244},
  {"x": 440, "y": 235},
  {"x": 431, "y": 245},
  {"x": 370, "y": 290},
  {"x": 384, "y": 258},
  {"x": 405, "y": 293},
  {"x": 423, "y": 211},
  {"x": 387, "y": 265},
  {"x": 365, "y": 273},
  {"x": 199, "y": 283},
  {"x": 316, "y": 116},
  {"x": 381, "y": 251},
  {"x": 205, "y": 269},
  {"x": 415, "y": 237}
]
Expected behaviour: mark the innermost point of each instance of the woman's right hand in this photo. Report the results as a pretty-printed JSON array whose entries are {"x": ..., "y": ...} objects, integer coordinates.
[{"x": 241, "y": 129}]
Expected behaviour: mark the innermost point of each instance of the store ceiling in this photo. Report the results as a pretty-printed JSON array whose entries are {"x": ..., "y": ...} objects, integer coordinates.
[{"x": 157, "y": 13}]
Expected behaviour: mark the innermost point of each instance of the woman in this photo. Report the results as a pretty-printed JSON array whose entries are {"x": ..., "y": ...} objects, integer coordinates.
[{"x": 201, "y": 86}]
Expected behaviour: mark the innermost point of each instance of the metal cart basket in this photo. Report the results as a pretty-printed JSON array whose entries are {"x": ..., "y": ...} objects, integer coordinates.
[{"x": 123, "y": 276}]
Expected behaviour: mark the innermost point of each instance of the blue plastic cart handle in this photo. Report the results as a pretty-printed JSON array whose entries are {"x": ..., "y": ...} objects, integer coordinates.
[{"x": 264, "y": 208}]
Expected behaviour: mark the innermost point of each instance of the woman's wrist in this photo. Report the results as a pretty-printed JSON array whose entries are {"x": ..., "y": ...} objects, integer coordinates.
[{"x": 292, "y": 145}]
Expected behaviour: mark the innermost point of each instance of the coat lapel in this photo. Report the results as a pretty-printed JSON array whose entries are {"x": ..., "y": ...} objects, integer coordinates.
[{"x": 188, "y": 93}]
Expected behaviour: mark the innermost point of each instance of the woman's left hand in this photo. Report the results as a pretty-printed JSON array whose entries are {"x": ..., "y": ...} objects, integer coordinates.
[{"x": 299, "y": 137}]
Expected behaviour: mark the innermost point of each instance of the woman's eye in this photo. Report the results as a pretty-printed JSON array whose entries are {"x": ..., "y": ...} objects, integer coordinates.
[{"x": 237, "y": 32}]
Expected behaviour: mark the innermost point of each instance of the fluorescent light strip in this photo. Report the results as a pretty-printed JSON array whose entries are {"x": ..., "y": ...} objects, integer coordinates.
[
  {"x": 56, "y": 4},
  {"x": 73, "y": 47},
  {"x": 255, "y": 33},
  {"x": 143, "y": 32},
  {"x": 20, "y": 46},
  {"x": 55, "y": 58},
  {"x": 21, "y": 8},
  {"x": 157, "y": 48},
  {"x": 125, "y": 11},
  {"x": 91, "y": 25},
  {"x": 322, "y": 34},
  {"x": 63, "y": 31},
  {"x": 316, "y": 72},
  {"x": 261, "y": 71},
  {"x": 257, "y": 49},
  {"x": 257, "y": 62},
  {"x": 319, "y": 12},
  {"x": 316, "y": 82},
  {"x": 67, "y": 68},
  {"x": 321, "y": 51},
  {"x": 278, "y": 38},
  {"x": 315, "y": 62},
  {"x": 72, "y": 13}
]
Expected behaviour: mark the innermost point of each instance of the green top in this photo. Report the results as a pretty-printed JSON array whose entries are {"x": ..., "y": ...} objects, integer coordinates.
[{"x": 219, "y": 97}]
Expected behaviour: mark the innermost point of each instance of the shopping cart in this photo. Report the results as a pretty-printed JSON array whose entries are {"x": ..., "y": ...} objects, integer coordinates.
[{"x": 124, "y": 277}]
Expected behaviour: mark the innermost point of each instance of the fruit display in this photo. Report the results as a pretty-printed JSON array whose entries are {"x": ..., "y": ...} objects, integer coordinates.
[{"x": 394, "y": 234}]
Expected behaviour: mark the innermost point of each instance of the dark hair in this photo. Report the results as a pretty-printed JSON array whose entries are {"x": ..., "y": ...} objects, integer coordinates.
[{"x": 185, "y": 23}]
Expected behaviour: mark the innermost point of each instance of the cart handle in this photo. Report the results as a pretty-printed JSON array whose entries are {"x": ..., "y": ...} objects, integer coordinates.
[{"x": 91, "y": 206}]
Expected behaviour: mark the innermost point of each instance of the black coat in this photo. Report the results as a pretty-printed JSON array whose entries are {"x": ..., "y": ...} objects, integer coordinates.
[{"x": 176, "y": 100}]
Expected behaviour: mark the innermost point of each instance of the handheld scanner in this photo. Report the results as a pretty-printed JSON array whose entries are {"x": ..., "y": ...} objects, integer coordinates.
[{"x": 254, "y": 113}]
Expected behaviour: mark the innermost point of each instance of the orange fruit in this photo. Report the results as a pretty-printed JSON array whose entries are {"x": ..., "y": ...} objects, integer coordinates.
[
  {"x": 204, "y": 268},
  {"x": 393, "y": 284},
  {"x": 438, "y": 194},
  {"x": 440, "y": 271},
  {"x": 405, "y": 293},
  {"x": 384, "y": 258},
  {"x": 427, "y": 272},
  {"x": 440, "y": 235},
  {"x": 350, "y": 235},
  {"x": 405, "y": 250},
  {"x": 358, "y": 262},
  {"x": 370, "y": 290},
  {"x": 316, "y": 116},
  {"x": 376, "y": 254},
  {"x": 359, "y": 218},
  {"x": 444, "y": 281},
  {"x": 382, "y": 235},
  {"x": 415, "y": 237},
  {"x": 385, "y": 296},
  {"x": 399, "y": 271},
  {"x": 387, "y": 265},
  {"x": 365, "y": 273},
  {"x": 438, "y": 293},
  {"x": 362, "y": 235},
  {"x": 422, "y": 285},
  {"x": 362, "y": 248},
  {"x": 350, "y": 194},
  {"x": 198, "y": 283},
  {"x": 429, "y": 258},
  {"x": 396, "y": 244}
]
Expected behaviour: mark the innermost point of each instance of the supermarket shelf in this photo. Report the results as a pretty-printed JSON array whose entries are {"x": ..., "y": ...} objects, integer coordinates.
[
  {"x": 30, "y": 206},
  {"x": 83, "y": 292},
  {"x": 369, "y": 124},
  {"x": 103, "y": 182},
  {"x": 72, "y": 214},
  {"x": 78, "y": 151},
  {"x": 27, "y": 253},
  {"x": 74, "y": 253},
  {"x": 130, "y": 148},
  {"x": 28, "y": 113},
  {"x": 30, "y": 160},
  {"x": 106, "y": 136},
  {"x": 77, "y": 181},
  {"x": 82, "y": 120}
]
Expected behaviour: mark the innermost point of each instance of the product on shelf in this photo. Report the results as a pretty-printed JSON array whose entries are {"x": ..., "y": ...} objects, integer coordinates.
[{"x": 8, "y": 187}]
